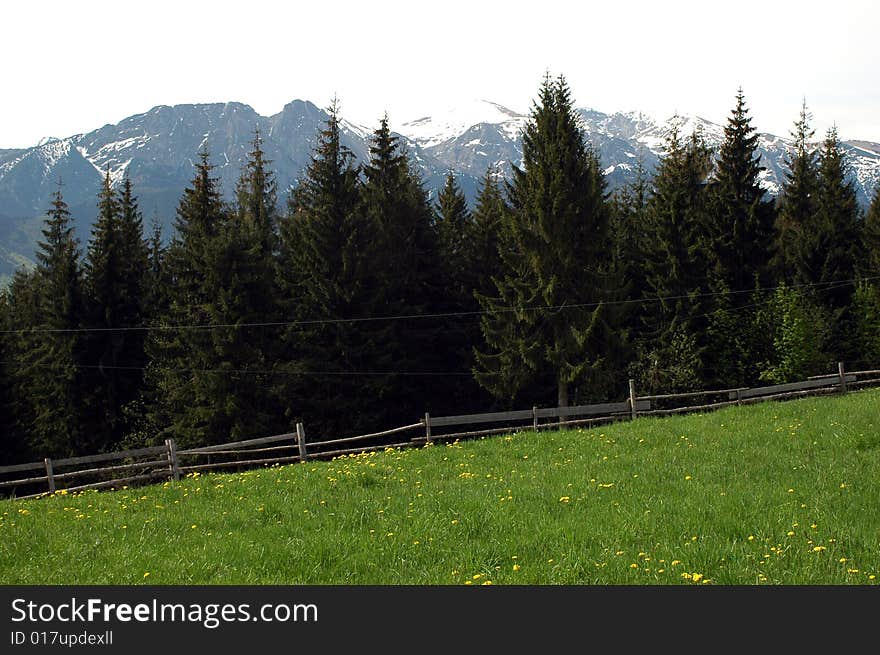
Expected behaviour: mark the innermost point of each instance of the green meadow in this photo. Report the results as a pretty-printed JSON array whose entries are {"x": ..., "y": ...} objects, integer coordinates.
[{"x": 776, "y": 494}]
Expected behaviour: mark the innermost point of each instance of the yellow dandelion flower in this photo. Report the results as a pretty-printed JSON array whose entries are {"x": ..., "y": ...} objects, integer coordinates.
[
  {"x": 687, "y": 477},
  {"x": 468, "y": 582},
  {"x": 516, "y": 567},
  {"x": 487, "y": 582},
  {"x": 842, "y": 560},
  {"x": 818, "y": 549},
  {"x": 477, "y": 576},
  {"x": 146, "y": 574},
  {"x": 872, "y": 577},
  {"x": 751, "y": 537},
  {"x": 790, "y": 533},
  {"x": 564, "y": 499},
  {"x": 696, "y": 577}
]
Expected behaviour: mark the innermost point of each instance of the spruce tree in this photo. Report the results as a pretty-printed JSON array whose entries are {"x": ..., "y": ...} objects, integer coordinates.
[
  {"x": 13, "y": 443},
  {"x": 453, "y": 218},
  {"x": 795, "y": 223},
  {"x": 483, "y": 236},
  {"x": 545, "y": 320},
  {"x": 186, "y": 388},
  {"x": 115, "y": 280},
  {"x": 461, "y": 241},
  {"x": 742, "y": 219},
  {"x": 674, "y": 265},
  {"x": 741, "y": 247},
  {"x": 50, "y": 358},
  {"x": 406, "y": 281},
  {"x": 325, "y": 253},
  {"x": 838, "y": 241}
]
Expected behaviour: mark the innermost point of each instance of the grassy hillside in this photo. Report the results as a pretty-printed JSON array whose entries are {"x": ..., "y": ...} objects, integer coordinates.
[{"x": 778, "y": 493}]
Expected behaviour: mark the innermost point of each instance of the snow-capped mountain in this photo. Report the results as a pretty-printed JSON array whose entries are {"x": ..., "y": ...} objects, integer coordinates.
[{"x": 156, "y": 150}]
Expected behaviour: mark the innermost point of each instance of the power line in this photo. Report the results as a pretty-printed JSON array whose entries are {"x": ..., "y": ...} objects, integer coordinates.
[
  {"x": 399, "y": 317},
  {"x": 282, "y": 371}
]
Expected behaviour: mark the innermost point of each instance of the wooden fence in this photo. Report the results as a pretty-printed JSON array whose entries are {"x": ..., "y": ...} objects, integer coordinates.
[{"x": 166, "y": 462}]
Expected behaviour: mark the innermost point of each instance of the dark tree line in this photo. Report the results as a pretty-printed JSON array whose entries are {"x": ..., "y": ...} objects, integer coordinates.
[{"x": 357, "y": 303}]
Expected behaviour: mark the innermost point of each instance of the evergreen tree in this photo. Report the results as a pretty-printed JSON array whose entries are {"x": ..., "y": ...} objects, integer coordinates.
[
  {"x": 545, "y": 319},
  {"x": 469, "y": 254},
  {"x": 628, "y": 219},
  {"x": 406, "y": 279},
  {"x": 838, "y": 240},
  {"x": 115, "y": 281},
  {"x": 629, "y": 208},
  {"x": 482, "y": 262},
  {"x": 13, "y": 443},
  {"x": 674, "y": 265},
  {"x": 742, "y": 227},
  {"x": 186, "y": 388},
  {"x": 325, "y": 256},
  {"x": 741, "y": 238},
  {"x": 453, "y": 219},
  {"x": 49, "y": 358},
  {"x": 157, "y": 274},
  {"x": 795, "y": 223}
]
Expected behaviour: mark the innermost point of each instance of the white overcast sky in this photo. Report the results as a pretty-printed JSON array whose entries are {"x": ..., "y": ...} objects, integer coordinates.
[{"x": 73, "y": 66}]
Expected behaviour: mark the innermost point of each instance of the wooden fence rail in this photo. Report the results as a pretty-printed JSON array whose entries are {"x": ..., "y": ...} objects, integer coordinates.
[{"x": 164, "y": 462}]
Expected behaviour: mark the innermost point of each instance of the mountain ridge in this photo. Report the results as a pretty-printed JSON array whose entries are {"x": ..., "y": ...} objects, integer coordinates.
[{"x": 156, "y": 149}]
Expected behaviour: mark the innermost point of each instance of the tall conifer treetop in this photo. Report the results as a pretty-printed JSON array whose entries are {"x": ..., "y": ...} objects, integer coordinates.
[
  {"x": 795, "y": 224},
  {"x": 743, "y": 221},
  {"x": 555, "y": 254}
]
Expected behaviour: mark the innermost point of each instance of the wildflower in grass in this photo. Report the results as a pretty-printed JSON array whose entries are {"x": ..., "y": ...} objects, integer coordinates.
[
  {"x": 146, "y": 574},
  {"x": 516, "y": 567},
  {"x": 751, "y": 537},
  {"x": 633, "y": 566},
  {"x": 687, "y": 477},
  {"x": 564, "y": 499},
  {"x": 819, "y": 549},
  {"x": 790, "y": 533},
  {"x": 477, "y": 576},
  {"x": 842, "y": 560},
  {"x": 487, "y": 582}
]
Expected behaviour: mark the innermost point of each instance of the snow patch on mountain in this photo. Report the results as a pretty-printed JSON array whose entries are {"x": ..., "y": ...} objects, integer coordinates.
[{"x": 431, "y": 130}]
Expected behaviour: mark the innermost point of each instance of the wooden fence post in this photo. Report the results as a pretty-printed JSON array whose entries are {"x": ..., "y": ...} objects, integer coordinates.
[
  {"x": 428, "y": 427},
  {"x": 738, "y": 397},
  {"x": 840, "y": 372},
  {"x": 50, "y": 476},
  {"x": 632, "y": 398},
  {"x": 535, "y": 418},
  {"x": 173, "y": 465},
  {"x": 301, "y": 442}
]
